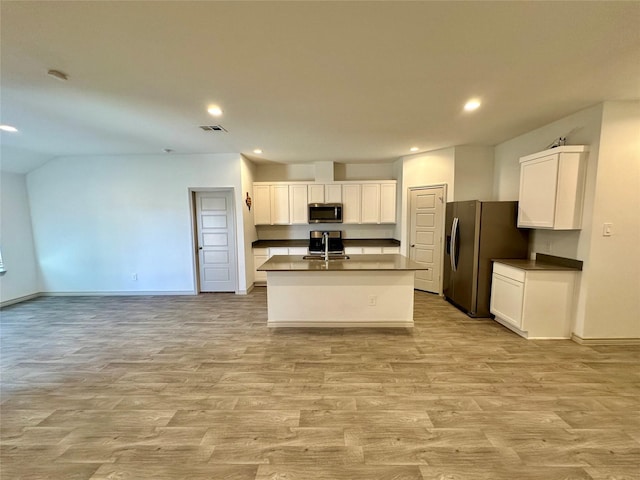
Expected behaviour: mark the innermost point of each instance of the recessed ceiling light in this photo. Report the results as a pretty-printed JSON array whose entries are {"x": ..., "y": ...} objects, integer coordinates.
[
  {"x": 257, "y": 151},
  {"x": 214, "y": 110},
  {"x": 472, "y": 105},
  {"x": 8, "y": 128},
  {"x": 414, "y": 149}
]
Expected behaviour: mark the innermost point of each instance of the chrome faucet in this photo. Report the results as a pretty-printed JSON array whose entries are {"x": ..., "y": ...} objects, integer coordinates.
[{"x": 325, "y": 242}]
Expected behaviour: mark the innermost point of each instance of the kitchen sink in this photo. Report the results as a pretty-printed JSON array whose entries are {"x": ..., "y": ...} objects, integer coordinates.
[{"x": 321, "y": 257}]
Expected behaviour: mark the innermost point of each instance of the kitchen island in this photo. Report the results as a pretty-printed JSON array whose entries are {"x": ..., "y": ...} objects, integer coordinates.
[{"x": 361, "y": 291}]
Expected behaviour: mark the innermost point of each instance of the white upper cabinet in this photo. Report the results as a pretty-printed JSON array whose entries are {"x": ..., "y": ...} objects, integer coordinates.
[
  {"x": 279, "y": 204},
  {"x": 315, "y": 193},
  {"x": 388, "y": 202},
  {"x": 552, "y": 188},
  {"x": 370, "y": 210},
  {"x": 262, "y": 204},
  {"x": 351, "y": 199},
  {"x": 286, "y": 203},
  {"x": 333, "y": 193},
  {"x": 298, "y": 204},
  {"x": 378, "y": 203}
]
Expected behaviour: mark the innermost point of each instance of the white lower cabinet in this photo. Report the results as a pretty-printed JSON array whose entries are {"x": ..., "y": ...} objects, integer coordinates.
[
  {"x": 533, "y": 303},
  {"x": 370, "y": 250},
  {"x": 261, "y": 255}
]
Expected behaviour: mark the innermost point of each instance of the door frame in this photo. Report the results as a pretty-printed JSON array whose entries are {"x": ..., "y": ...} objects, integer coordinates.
[
  {"x": 194, "y": 234},
  {"x": 442, "y": 237}
]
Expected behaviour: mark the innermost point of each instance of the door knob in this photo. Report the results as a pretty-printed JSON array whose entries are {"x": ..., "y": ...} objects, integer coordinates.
[
  {"x": 413, "y": 245},
  {"x": 199, "y": 248}
]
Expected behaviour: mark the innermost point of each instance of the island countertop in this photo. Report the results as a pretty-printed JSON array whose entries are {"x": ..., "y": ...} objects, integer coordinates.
[{"x": 385, "y": 262}]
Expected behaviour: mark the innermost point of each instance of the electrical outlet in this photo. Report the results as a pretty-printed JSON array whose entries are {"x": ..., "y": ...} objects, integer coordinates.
[
  {"x": 372, "y": 300},
  {"x": 134, "y": 276}
]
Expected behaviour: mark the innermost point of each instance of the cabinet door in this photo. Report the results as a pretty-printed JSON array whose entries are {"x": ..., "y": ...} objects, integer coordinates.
[
  {"x": 507, "y": 299},
  {"x": 333, "y": 193},
  {"x": 298, "y": 250},
  {"x": 315, "y": 193},
  {"x": 351, "y": 203},
  {"x": 261, "y": 205},
  {"x": 372, "y": 250},
  {"x": 279, "y": 204},
  {"x": 388, "y": 203},
  {"x": 370, "y": 209},
  {"x": 298, "y": 204},
  {"x": 391, "y": 250},
  {"x": 537, "y": 198},
  {"x": 353, "y": 250},
  {"x": 258, "y": 260}
]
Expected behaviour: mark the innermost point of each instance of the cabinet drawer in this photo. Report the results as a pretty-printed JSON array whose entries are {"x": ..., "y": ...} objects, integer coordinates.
[
  {"x": 297, "y": 250},
  {"x": 261, "y": 251},
  {"x": 278, "y": 251},
  {"x": 507, "y": 299},
  {"x": 509, "y": 272}
]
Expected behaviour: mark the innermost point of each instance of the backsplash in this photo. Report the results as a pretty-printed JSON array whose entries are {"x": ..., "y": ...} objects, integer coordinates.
[{"x": 290, "y": 232}]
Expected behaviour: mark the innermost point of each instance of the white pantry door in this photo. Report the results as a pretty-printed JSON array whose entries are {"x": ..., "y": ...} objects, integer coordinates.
[
  {"x": 216, "y": 241},
  {"x": 426, "y": 210}
]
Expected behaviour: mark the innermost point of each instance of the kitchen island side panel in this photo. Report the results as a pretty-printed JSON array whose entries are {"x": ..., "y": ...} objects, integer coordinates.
[{"x": 340, "y": 299}]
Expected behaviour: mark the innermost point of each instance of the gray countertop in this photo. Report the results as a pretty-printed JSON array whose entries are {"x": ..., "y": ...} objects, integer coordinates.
[
  {"x": 347, "y": 242},
  {"x": 524, "y": 264},
  {"x": 386, "y": 262}
]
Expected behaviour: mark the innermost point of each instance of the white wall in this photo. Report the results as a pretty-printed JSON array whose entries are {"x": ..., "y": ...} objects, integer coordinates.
[
  {"x": 279, "y": 172},
  {"x": 613, "y": 291},
  {"x": 608, "y": 129},
  {"x": 248, "y": 173},
  {"x": 473, "y": 173},
  {"x": 431, "y": 168},
  {"x": 99, "y": 219},
  {"x": 364, "y": 171},
  {"x": 16, "y": 240},
  {"x": 307, "y": 172}
]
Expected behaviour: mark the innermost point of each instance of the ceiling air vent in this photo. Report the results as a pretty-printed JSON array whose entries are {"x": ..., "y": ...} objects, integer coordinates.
[{"x": 213, "y": 128}]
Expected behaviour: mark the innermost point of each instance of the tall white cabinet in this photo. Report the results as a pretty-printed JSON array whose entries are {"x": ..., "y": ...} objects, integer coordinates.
[{"x": 552, "y": 188}]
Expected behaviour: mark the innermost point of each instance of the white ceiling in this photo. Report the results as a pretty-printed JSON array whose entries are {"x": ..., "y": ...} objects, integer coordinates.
[{"x": 304, "y": 81}]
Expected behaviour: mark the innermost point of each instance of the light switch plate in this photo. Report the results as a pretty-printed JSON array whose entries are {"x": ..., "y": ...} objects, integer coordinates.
[{"x": 607, "y": 229}]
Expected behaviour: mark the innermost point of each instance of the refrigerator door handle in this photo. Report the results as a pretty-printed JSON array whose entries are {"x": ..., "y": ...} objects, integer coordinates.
[{"x": 454, "y": 235}]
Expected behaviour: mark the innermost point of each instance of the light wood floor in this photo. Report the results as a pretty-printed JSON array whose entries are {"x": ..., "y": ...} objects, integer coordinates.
[{"x": 128, "y": 388}]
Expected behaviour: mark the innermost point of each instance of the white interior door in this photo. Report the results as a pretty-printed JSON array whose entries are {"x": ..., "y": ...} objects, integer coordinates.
[
  {"x": 426, "y": 210},
  {"x": 216, "y": 241}
]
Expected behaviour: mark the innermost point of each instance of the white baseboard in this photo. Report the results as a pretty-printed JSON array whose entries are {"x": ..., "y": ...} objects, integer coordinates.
[
  {"x": 605, "y": 341},
  {"x": 340, "y": 324},
  {"x": 116, "y": 293},
  {"x": 13, "y": 301}
]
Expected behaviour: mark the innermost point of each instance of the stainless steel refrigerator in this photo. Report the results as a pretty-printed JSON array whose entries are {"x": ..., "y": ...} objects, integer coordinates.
[{"x": 477, "y": 232}]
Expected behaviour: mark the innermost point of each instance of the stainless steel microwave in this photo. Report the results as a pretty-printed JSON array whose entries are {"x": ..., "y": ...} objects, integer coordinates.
[{"x": 325, "y": 213}]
